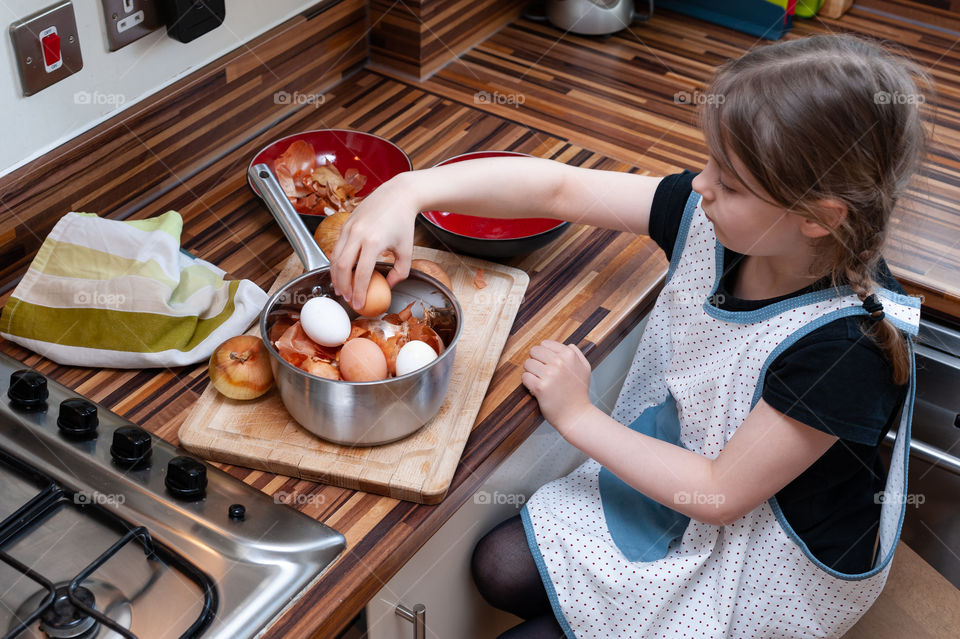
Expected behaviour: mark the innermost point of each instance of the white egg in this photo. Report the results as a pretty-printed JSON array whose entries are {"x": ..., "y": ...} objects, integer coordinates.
[
  {"x": 324, "y": 321},
  {"x": 413, "y": 355}
]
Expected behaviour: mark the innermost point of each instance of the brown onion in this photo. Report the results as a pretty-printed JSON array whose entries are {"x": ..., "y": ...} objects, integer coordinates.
[
  {"x": 432, "y": 269},
  {"x": 240, "y": 368}
]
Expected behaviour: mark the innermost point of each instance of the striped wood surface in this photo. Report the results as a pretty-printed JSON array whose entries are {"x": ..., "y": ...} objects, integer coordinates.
[
  {"x": 587, "y": 101},
  {"x": 417, "y": 37},
  {"x": 589, "y": 287},
  {"x": 617, "y": 96}
]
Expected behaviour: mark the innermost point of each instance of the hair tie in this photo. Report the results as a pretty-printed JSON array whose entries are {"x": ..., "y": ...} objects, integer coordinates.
[{"x": 873, "y": 306}]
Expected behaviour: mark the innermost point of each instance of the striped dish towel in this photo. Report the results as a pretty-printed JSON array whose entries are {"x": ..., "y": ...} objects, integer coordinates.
[{"x": 117, "y": 294}]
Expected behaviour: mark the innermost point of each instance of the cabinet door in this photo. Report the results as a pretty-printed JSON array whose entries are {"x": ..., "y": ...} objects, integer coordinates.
[{"x": 438, "y": 576}]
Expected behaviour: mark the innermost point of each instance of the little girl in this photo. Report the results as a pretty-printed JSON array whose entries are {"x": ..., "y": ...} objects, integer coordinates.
[{"x": 736, "y": 490}]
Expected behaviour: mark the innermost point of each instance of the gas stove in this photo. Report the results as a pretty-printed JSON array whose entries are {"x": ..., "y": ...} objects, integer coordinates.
[{"x": 109, "y": 532}]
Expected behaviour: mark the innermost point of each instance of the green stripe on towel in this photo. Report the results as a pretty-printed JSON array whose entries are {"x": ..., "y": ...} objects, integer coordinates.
[
  {"x": 72, "y": 260},
  {"x": 111, "y": 329},
  {"x": 170, "y": 223}
]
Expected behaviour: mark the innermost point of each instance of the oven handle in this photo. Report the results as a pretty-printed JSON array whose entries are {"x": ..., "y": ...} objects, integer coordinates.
[
  {"x": 926, "y": 452},
  {"x": 417, "y": 616}
]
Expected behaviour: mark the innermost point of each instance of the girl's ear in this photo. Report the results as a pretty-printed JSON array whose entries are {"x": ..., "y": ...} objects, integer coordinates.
[{"x": 831, "y": 213}]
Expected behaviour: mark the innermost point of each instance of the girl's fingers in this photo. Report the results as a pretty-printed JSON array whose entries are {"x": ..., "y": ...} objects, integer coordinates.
[
  {"x": 530, "y": 381},
  {"x": 542, "y": 354},
  {"x": 361, "y": 279},
  {"x": 341, "y": 266},
  {"x": 535, "y": 367},
  {"x": 401, "y": 265}
]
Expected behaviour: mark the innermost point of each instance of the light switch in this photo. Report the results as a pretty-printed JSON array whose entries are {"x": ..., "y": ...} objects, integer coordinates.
[
  {"x": 50, "y": 42},
  {"x": 46, "y": 47}
]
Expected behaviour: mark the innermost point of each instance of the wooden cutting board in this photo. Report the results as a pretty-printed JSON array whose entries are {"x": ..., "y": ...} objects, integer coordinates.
[{"x": 261, "y": 434}]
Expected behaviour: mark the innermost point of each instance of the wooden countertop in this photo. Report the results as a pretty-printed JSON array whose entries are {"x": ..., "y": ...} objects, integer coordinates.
[
  {"x": 589, "y": 287},
  {"x": 588, "y": 102}
]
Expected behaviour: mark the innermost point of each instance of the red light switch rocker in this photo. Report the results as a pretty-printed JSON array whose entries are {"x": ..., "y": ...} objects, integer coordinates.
[{"x": 50, "y": 40}]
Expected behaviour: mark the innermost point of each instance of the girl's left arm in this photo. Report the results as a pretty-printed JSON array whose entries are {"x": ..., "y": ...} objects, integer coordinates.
[{"x": 768, "y": 451}]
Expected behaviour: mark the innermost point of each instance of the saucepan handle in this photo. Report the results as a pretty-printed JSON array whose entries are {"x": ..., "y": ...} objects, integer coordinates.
[{"x": 287, "y": 217}]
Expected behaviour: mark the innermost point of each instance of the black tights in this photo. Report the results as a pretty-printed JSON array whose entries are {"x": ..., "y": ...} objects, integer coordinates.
[{"x": 507, "y": 577}]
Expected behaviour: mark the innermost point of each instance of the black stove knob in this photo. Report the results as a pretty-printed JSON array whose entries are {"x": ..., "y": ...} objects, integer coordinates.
[
  {"x": 78, "y": 418},
  {"x": 131, "y": 447},
  {"x": 237, "y": 512},
  {"x": 28, "y": 389},
  {"x": 186, "y": 478}
]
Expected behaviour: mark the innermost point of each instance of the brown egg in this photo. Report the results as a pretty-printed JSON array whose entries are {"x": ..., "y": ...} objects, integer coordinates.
[
  {"x": 378, "y": 296},
  {"x": 361, "y": 360}
]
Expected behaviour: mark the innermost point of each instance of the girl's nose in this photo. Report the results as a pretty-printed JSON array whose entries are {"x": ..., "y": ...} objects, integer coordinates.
[{"x": 702, "y": 186}]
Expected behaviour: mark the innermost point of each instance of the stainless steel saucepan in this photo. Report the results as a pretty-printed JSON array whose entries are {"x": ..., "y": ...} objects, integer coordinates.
[{"x": 353, "y": 413}]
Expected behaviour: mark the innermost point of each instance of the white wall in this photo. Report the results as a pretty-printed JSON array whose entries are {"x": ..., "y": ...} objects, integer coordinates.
[{"x": 31, "y": 126}]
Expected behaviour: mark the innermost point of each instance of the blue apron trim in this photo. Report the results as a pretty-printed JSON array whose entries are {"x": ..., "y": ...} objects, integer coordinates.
[
  {"x": 682, "y": 232},
  {"x": 903, "y": 431},
  {"x": 545, "y": 574},
  {"x": 771, "y": 310},
  {"x": 640, "y": 527}
]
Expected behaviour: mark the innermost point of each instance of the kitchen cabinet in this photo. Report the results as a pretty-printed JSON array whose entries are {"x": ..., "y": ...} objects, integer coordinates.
[{"x": 438, "y": 576}]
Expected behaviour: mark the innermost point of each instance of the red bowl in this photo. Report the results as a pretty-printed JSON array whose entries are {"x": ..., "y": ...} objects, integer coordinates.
[
  {"x": 490, "y": 237},
  {"x": 375, "y": 157}
]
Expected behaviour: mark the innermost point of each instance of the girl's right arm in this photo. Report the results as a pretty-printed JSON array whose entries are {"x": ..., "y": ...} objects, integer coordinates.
[{"x": 489, "y": 187}]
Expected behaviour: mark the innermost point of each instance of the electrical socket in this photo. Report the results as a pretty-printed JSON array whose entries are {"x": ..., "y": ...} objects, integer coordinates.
[{"x": 128, "y": 20}]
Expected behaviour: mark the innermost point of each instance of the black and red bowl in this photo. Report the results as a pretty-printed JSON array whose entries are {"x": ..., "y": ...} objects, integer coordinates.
[
  {"x": 490, "y": 237},
  {"x": 377, "y": 158}
]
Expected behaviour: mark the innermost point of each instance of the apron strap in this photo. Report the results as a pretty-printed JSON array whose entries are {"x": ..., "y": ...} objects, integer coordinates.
[{"x": 894, "y": 495}]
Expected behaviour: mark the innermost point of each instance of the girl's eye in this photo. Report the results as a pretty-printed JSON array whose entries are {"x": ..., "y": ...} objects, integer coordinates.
[{"x": 723, "y": 187}]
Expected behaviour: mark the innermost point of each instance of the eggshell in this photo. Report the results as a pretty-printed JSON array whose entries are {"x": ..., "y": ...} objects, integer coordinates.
[
  {"x": 413, "y": 356},
  {"x": 361, "y": 360},
  {"x": 378, "y": 296},
  {"x": 325, "y": 321}
]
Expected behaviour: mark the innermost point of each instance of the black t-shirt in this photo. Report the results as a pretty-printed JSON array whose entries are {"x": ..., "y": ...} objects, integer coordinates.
[{"x": 834, "y": 379}]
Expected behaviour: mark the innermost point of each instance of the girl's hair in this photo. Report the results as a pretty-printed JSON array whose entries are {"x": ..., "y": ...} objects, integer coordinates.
[{"x": 825, "y": 117}]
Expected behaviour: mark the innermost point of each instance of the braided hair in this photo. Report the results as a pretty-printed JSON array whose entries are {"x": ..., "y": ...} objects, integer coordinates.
[{"x": 826, "y": 117}]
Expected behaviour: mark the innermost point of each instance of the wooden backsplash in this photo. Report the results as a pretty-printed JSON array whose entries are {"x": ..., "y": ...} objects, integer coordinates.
[
  {"x": 121, "y": 167},
  {"x": 417, "y": 37}
]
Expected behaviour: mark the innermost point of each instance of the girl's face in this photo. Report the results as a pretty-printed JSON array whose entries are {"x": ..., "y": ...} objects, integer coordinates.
[{"x": 742, "y": 221}]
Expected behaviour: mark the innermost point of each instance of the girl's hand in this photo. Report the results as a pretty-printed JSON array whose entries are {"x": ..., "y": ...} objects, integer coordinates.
[
  {"x": 383, "y": 221},
  {"x": 558, "y": 375}
]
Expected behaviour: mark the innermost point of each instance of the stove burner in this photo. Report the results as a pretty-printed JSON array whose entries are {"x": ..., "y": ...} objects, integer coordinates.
[{"x": 63, "y": 620}]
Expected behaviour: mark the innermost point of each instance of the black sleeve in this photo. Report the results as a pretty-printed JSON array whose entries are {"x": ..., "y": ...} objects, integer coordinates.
[
  {"x": 666, "y": 212},
  {"x": 835, "y": 379}
]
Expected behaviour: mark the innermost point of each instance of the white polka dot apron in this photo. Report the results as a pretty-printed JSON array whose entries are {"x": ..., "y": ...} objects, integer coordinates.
[{"x": 616, "y": 564}]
